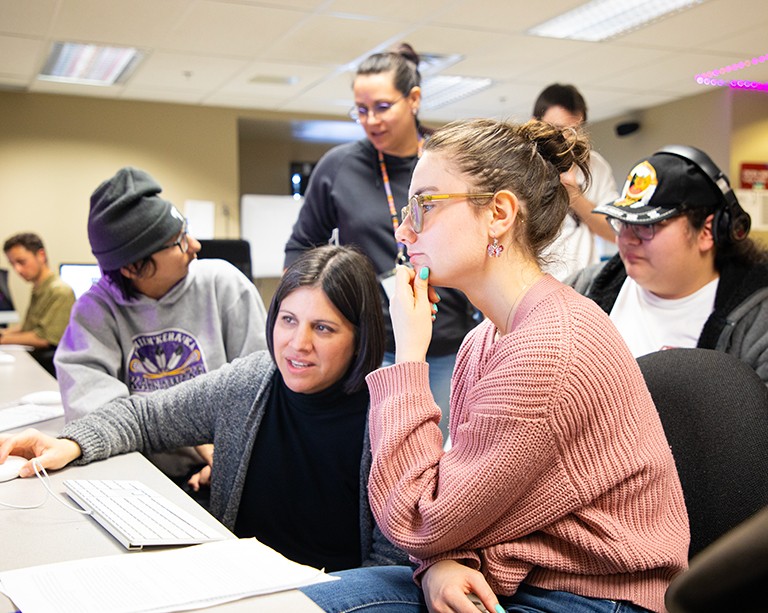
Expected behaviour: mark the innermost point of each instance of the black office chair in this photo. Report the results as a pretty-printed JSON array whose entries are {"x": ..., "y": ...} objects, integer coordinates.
[
  {"x": 235, "y": 251},
  {"x": 714, "y": 409},
  {"x": 729, "y": 575}
]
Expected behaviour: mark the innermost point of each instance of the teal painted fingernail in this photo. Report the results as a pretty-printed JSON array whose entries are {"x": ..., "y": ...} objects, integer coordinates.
[
  {"x": 434, "y": 307},
  {"x": 437, "y": 296},
  {"x": 499, "y": 609},
  {"x": 424, "y": 273}
]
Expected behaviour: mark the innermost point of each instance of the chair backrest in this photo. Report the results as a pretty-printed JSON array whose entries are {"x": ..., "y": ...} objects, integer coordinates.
[
  {"x": 235, "y": 251},
  {"x": 714, "y": 409},
  {"x": 729, "y": 575}
]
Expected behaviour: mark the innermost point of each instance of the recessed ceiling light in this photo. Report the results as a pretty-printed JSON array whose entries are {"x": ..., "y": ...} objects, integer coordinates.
[
  {"x": 273, "y": 80},
  {"x": 603, "y": 19},
  {"x": 89, "y": 64},
  {"x": 441, "y": 89}
]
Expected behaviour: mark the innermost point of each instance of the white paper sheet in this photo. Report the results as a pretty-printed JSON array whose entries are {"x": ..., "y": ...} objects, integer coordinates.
[{"x": 170, "y": 580}]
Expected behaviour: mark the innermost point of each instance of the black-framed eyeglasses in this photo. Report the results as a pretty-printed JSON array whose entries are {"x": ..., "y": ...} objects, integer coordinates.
[
  {"x": 643, "y": 232},
  {"x": 416, "y": 206},
  {"x": 360, "y": 112},
  {"x": 182, "y": 242}
]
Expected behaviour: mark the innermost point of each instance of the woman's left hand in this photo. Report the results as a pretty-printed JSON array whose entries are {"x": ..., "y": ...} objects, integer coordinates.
[
  {"x": 201, "y": 478},
  {"x": 411, "y": 310},
  {"x": 447, "y": 585}
]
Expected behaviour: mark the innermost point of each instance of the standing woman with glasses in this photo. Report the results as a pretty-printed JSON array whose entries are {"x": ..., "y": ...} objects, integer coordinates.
[
  {"x": 359, "y": 188},
  {"x": 559, "y": 493},
  {"x": 157, "y": 316}
]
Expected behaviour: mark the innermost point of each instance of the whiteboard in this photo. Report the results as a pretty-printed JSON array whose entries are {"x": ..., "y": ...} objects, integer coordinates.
[{"x": 266, "y": 222}]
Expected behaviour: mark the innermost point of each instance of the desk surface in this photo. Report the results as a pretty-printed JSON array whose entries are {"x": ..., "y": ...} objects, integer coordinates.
[{"x": 53, "y": 533}]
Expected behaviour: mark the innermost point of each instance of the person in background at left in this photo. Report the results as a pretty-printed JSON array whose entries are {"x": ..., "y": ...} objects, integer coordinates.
[
  {"x": 585, "y": 236},
  {"x": 50, "y": 305}
]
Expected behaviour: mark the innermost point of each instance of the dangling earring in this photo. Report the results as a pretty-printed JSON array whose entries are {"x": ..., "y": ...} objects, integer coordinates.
[{"x": 494, "y": 249}]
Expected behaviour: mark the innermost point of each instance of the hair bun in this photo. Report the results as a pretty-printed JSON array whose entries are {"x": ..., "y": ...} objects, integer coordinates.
[{"x": 408, "y": 52}]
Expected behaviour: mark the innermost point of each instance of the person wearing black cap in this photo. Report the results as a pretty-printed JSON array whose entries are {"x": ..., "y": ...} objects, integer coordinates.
[
  {"x": 158, "y": 316},
  {"x": 687, "y": 274}
]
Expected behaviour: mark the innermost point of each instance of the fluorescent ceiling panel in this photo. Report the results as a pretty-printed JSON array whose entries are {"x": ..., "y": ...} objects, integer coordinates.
[
  {"x": 441, "y": 90},
  {"x": 603, "y": 19},
  {"x": 89, "y": 64}
]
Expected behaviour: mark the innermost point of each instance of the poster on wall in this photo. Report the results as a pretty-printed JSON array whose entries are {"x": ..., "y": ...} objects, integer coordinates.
[
  {"x": 753, "y": 175},
  {"x": 266, "y": 222},
  {"x": 200, "y": 216}
]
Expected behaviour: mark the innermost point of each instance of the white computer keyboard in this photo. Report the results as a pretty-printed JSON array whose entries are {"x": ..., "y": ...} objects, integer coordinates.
[{"x": 137, "y": 515}]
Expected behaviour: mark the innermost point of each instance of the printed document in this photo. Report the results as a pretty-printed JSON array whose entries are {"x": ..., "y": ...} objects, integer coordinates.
[{"x": 169, "y": 580}]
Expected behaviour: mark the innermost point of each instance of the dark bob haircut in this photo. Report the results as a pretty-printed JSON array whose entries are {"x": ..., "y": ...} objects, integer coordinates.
[{"x": 348, "y": 280}]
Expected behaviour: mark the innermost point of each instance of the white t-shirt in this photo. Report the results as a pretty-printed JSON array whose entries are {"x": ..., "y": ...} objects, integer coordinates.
[
  {"x": 575, "y": 246},
  {"x": 649, "y": 323}
]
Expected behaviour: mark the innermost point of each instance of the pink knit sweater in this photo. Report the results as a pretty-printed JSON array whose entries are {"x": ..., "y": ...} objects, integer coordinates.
[{"x": 560, "y": 474}]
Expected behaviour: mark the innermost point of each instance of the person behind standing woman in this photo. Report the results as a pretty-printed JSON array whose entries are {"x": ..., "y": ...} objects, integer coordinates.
[
  {"x": 360, "y": 188},
  {"x": 52, "y": 299},
  {"x": 585, "y": 236},
  {"x": 560, "y": 492},
  {"x": 289, "y": 424}
]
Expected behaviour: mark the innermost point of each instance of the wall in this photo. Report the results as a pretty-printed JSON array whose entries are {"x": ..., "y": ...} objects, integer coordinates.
[
  {"x": 749, "y": 134},
  {"x": 703, "y": 121},
  {"x": 55, "y": 150},
  {"x": 264, "y": 159}
]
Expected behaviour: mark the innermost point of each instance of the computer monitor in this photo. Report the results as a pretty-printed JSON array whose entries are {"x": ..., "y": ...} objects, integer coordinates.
[
  {"x": 8, "y": 314},
  {"x": 79, "y": 277}
]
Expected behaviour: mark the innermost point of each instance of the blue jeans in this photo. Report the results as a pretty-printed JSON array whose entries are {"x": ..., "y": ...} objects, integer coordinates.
[
  {"x": 390, "y": 589},
  {"x": 440, "y": 373}
]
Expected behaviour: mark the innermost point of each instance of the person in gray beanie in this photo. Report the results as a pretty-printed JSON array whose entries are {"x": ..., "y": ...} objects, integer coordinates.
[
  {"x": 158, "y": 315},
  {"x": 128, "y": 220}
]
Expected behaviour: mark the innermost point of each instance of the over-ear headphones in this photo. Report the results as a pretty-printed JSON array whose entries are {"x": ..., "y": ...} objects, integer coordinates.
[{"x": 731, "y": 223}]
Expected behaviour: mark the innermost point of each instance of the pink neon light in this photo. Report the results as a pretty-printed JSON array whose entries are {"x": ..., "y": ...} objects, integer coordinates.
[{"x": 711, "y": 76}]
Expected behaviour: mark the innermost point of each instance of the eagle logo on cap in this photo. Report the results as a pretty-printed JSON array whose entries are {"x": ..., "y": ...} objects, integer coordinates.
[{"x": 640, "y": 186}]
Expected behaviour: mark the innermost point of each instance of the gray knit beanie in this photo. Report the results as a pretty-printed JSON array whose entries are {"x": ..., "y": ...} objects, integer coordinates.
[{"x": 128, "y": 221}]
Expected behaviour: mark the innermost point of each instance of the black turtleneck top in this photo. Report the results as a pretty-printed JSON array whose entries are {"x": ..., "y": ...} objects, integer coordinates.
[{"x": 302, "y": 490}]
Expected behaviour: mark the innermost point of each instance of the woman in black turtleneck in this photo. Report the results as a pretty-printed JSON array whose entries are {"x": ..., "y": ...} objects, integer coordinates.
[{"x": 289, "y": 424}]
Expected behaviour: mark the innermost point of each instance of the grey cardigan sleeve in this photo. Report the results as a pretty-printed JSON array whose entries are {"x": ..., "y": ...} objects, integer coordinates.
[{"x": 185, "y": 414}]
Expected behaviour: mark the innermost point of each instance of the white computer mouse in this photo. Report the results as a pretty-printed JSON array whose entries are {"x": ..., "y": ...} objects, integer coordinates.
[
  {"x": 11, "y": 467},
  {"x": 45, "y": 397},
  {"x": 6, "y": 358}
]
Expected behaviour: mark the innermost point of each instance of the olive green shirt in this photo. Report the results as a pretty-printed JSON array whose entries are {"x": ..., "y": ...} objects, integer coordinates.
[{"x": 49, "y": 307}]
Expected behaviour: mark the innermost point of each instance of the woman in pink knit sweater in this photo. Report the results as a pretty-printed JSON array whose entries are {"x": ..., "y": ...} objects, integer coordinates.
[{"x": 559, "y": 492}]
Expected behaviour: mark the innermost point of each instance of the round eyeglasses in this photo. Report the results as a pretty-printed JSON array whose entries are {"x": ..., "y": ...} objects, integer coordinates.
[
  {"x": 182, "y": 242},
  {"x": 360, "y": 112},
  {"x": 416, "y": 207},
  {"x": 643, "y": 232}
]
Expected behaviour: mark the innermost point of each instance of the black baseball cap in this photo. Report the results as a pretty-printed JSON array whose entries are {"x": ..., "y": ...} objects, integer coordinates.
[{"x": 662, "y": 186}]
